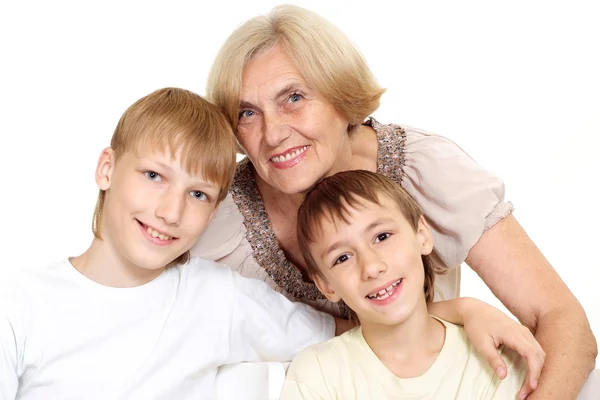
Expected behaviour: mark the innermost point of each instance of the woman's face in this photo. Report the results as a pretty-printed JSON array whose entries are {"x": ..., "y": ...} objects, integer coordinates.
[{"x": 292, "y": 135}]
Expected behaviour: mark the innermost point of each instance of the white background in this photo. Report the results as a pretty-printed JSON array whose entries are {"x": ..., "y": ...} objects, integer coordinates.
[{"x": 515, "y": 83}]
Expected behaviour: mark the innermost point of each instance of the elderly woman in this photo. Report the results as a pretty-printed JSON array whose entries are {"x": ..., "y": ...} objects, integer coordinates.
[{"x": 298, "y": 96}]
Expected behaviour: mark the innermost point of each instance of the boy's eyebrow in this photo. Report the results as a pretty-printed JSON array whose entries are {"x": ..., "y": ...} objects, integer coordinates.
[
  {"x": 376, "y": 223},
  {"x": 201, "y": 181},
  {"x": 163, "y": 165},
  {"x": 371, "y": 226},
  {"x": 331, "y": 248}
]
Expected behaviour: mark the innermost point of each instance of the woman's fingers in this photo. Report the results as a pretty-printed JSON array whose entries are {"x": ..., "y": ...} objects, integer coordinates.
[
  {"x": 533, "y": 354},
  {"x": 528, "y": 348}
]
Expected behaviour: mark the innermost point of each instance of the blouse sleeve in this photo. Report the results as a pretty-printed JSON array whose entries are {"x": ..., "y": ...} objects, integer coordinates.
[{"x": 460, "y": 199}]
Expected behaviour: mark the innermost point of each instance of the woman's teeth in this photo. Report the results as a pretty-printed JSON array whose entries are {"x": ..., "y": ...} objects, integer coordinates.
[
  {"x": 289, "y": 156},
  {"x": 159, "y": 235},
  {"x": 384, "y": 293}
]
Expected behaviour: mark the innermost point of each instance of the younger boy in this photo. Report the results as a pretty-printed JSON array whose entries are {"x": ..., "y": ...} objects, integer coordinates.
[
  {"x": 366, "y": 242},
  {"x": 133, "y": 317}
]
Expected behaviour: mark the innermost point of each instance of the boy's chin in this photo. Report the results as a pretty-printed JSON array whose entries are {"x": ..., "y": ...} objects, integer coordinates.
[
  {"x": 391, "y": 319},
  {"x": 156, "y": 263}
]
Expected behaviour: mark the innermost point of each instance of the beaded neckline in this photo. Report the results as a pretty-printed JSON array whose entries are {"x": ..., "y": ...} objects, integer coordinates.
[{"x": 259, "y": 231}]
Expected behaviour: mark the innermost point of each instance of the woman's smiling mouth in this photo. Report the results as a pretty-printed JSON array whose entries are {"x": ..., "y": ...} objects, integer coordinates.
[{"x": 289, "y": 155}]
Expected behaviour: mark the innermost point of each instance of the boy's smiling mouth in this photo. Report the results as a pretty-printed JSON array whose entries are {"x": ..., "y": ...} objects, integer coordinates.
[
  {"x": 384, "y": 293},
  {"x": 156, "y": 234}
]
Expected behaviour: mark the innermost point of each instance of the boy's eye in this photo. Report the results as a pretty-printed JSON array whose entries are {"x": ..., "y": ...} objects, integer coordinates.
[
  {"x": 381, "y": 237},
  {"x": 199, "y": 195},
  {"x": 153, "y": 176},
  {"x": 341, "y": 259},
  {"x": 246, "y": 113}
]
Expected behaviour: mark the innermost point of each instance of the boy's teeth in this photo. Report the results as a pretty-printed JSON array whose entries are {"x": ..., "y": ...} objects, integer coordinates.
[
  {"x": 384, "y": 293},
  {"x": 156, "y": 234}
]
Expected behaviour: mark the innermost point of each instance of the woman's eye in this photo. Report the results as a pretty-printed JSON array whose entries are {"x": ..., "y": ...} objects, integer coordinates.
[
  {"x": 381, "y": 237},
  {"x": 199, "y": 195},
  {"x": 341, "y": 259},
  {"x": 246, "y": 113},
  {"x": 153, "y": 176},
  {"x": 295, "y": 98}
]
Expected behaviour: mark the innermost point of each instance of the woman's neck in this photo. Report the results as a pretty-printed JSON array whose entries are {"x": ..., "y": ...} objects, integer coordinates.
[{"x": 407, "y": 349}]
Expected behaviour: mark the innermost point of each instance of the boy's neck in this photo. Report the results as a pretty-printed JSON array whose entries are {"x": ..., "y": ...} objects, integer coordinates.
[
  {"x": 102, "y": 264},
  {"x": 409, "y": 348}
]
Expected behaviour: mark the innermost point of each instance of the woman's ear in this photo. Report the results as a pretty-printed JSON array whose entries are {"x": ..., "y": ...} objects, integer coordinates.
[
  {"x": 424, "y": 237},
  {"x": 104, "y": 169},
  {"x": 324, "y": 287}
]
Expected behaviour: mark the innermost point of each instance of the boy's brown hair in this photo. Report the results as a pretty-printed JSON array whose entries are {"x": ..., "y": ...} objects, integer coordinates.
[
  {"x": 335, "y": 195},
  {"x": 173, "y": 119}
]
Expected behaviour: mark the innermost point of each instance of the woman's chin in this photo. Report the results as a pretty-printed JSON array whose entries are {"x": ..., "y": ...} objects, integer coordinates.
[{"x": 295, "y": 186}]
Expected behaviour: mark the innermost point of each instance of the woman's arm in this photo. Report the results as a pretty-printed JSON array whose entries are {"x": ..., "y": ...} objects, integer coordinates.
[
  {"x": 520, "y": 276},
  {"x": 471, "y": 220}
]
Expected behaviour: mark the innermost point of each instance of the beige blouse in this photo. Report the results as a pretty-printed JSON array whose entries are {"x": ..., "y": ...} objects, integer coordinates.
[{"x": 460, "y": 199}]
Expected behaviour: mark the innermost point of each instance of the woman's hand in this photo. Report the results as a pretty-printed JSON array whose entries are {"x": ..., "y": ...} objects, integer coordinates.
[{"x": 488, "y": 328}]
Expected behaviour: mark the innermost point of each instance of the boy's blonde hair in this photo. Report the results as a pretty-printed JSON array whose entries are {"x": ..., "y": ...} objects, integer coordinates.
[
  {"x": 172, "y": 119},
  {"x": 326, "y": 58},
  {"x": 335, "y": 195}
]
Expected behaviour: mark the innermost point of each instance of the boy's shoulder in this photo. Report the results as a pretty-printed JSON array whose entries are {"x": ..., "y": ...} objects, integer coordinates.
[
  {"x": 21, "y": 288},
  {"x": 330, "y": 352},
  {"x": 199, "y": 274},
  {"x": 201, "y": 268},
  {"x": 19, "y": 278}
]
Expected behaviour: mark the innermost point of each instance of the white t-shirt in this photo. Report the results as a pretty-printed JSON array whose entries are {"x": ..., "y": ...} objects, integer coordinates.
[
  {"x": 64, "y": 336},
  {"x": 346, "y": 368}
]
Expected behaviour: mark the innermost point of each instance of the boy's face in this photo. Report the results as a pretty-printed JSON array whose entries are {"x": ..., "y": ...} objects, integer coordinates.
[
  {"x": 373, "y": 262},
  {"x": 154, "y": 211}
]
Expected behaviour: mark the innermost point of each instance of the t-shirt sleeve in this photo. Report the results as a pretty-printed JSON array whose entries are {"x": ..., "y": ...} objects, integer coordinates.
[
  {"x": 8, "y": 360},
  {"x": 11, "y": 340},
  {"x": 305, "y": 378},
  {"x": 460, "y": 199},
  {"x": 266, "y": 326}
]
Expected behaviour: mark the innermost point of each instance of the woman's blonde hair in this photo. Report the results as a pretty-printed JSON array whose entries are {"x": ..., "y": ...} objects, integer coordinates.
[
  {"x": 333, "y": 198},
  {"x": 326, "y": 58},
  {"x": 170, "y": 119}
]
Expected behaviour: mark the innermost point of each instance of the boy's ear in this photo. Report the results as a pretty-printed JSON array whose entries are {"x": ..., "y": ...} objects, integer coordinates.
[
  {"x": 104, "y": 169},
  {"x": 324, "y": 287},
  {"x": 424, "y": 237}
]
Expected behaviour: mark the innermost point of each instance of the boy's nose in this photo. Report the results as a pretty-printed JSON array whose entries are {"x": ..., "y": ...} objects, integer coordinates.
[
  {"x": 170, "y": 208},
  {"x": 372, "y": 265}
]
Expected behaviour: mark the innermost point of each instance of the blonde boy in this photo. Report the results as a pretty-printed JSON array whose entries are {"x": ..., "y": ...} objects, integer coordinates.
[
  {"x": 134, "y": 317},
  {"x": 366, "y": 242}
]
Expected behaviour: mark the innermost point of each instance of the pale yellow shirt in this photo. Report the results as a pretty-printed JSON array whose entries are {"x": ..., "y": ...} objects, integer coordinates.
[{"x": 346, "y": 368}]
